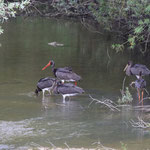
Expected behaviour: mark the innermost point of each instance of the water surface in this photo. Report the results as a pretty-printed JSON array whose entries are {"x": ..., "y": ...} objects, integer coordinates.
[{"x": 27, "y": 121}]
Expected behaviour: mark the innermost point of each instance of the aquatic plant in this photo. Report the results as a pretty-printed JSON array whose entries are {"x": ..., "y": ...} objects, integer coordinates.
[
  {"x": 126, "y": 97},
  {"x": 123, "y": 146}
]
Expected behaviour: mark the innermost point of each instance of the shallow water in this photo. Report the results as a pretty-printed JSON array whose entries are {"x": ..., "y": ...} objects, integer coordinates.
[{"x": 27, "y": 121}]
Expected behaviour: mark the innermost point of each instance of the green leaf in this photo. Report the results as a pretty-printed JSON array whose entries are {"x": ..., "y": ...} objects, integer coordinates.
[
  {"x": 118, "y": 47},
  {"x": 147, "y": 9},
  {"x": 138, "y": 29},
  {"x": 140, "y": 22},
  {"x": 147, "y": 21}
]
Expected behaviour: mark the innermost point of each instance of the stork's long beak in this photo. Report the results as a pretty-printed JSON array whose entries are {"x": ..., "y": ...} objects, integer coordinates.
[
  {"x": 126, "y": 67},
  {"x": 47, "y": 65}
]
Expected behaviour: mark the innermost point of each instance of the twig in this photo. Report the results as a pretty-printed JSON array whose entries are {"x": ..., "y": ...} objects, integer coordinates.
[
  {"x": 35, "y": 144},
  {"x": 101, "y": 147},
  {"x": 37, "y": 10},
  {"x": 146, "y": 98},
  {"x": 122, "y": 91},
  {"x": 107, "y": 102},
  {"x": 88, "y": 28},
  {"x": 67, "y": 145},
  {"x": 108, "y": 54},
  {"x": 146, "y": 91},
  {"x": 51, "y": 144},
  {"x": 140, "y": 123}
]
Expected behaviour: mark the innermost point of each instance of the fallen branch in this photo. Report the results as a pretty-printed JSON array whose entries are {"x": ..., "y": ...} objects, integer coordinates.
[
  {"x": 123, "y": 85},
  {"x": 107, "y": 102},
  {"x": 140, "y": 123}
]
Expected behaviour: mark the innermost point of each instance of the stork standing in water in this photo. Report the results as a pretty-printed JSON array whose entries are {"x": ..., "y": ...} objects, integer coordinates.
[
  {"x": 67, "y": 90},
  {"x": 140, "y": 85},
  {"x": 45, "y": 84},
  {"x": 64, "y": 74},
  {"x": 132, "y": 69}
]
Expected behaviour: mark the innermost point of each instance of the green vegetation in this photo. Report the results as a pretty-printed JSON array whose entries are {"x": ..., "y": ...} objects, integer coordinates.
[
  {"x": 126, "y": 97},
  {"x": 8, "y": 10},
  {"x": 130, "y": 18},
  {"x": 123, "y": 146}
]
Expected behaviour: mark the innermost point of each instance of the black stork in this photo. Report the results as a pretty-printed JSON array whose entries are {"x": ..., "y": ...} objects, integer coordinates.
[
  {"x": 67, "y": 89},
  {"x": 140, "y": 85},
  {"x": 45, "y": 84},
  {"x": 132, "y": 69},
  {"x": 64, "y": 74}
]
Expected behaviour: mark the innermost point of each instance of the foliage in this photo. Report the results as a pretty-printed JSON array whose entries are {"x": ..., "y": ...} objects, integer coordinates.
[
  {"x": 118, "y": 47},
  {"x": 8, "y": 10},
  {"x": 126, "y": 97},
  {"x": 130, "y": 17}
]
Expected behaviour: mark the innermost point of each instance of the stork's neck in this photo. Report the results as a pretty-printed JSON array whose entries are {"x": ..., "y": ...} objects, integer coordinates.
[
  {"x": 128, "y": 70},
  {"x": 54, "y": 71}
]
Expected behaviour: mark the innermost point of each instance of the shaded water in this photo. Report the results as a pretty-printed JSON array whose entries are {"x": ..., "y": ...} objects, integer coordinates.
[{"x": 27, "y": 121}]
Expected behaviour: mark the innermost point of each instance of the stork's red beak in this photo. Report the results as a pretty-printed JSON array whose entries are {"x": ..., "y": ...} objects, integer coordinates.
[{"x": 47, "y": 65}]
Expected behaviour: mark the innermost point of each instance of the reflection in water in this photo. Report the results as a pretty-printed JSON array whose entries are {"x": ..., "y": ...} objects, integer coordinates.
[{"x": 30, "y": 119}]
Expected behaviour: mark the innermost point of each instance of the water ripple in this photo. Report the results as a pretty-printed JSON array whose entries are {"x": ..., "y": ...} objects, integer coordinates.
[{"x": 11, "y": 130}]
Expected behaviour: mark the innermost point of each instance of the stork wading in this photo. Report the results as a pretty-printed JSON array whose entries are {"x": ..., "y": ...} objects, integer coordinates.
[{"x": 64, "y": 74}]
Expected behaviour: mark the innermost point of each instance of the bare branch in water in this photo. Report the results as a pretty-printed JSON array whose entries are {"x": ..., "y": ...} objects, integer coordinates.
[
  {"x": 108, "y": 54},
  {"x": 67, "y": 145},
  {"x": 140, "y": 123},
  {"x": 35, "y": 144},
  {"x": 101, "y": 147},
  {"x": 51, "y": 144},
  {"x": 146, "y": 91},
  {"x": 122, "y": 91},
  {"x": 107, "y": 102},
  {"x": 98, "y": 145}
]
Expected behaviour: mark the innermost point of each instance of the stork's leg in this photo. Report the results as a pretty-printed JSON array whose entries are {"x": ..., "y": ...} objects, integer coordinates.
[
  {"x": 64, "y": 99},
  {"x": 43, "y": 92},
  {"x": 50, "y": 92},
  {"x": 139, "y": 94},
  {"x": 142, "y": 96}
]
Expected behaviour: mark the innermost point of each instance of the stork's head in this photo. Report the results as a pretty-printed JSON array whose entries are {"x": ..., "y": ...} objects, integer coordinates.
[{"x": 129, "y": 64}]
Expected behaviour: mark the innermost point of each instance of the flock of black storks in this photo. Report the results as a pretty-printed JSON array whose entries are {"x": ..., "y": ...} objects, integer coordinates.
[
  {"x": 139, "y": 71},
  {"x": 61, "y": 83}
]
